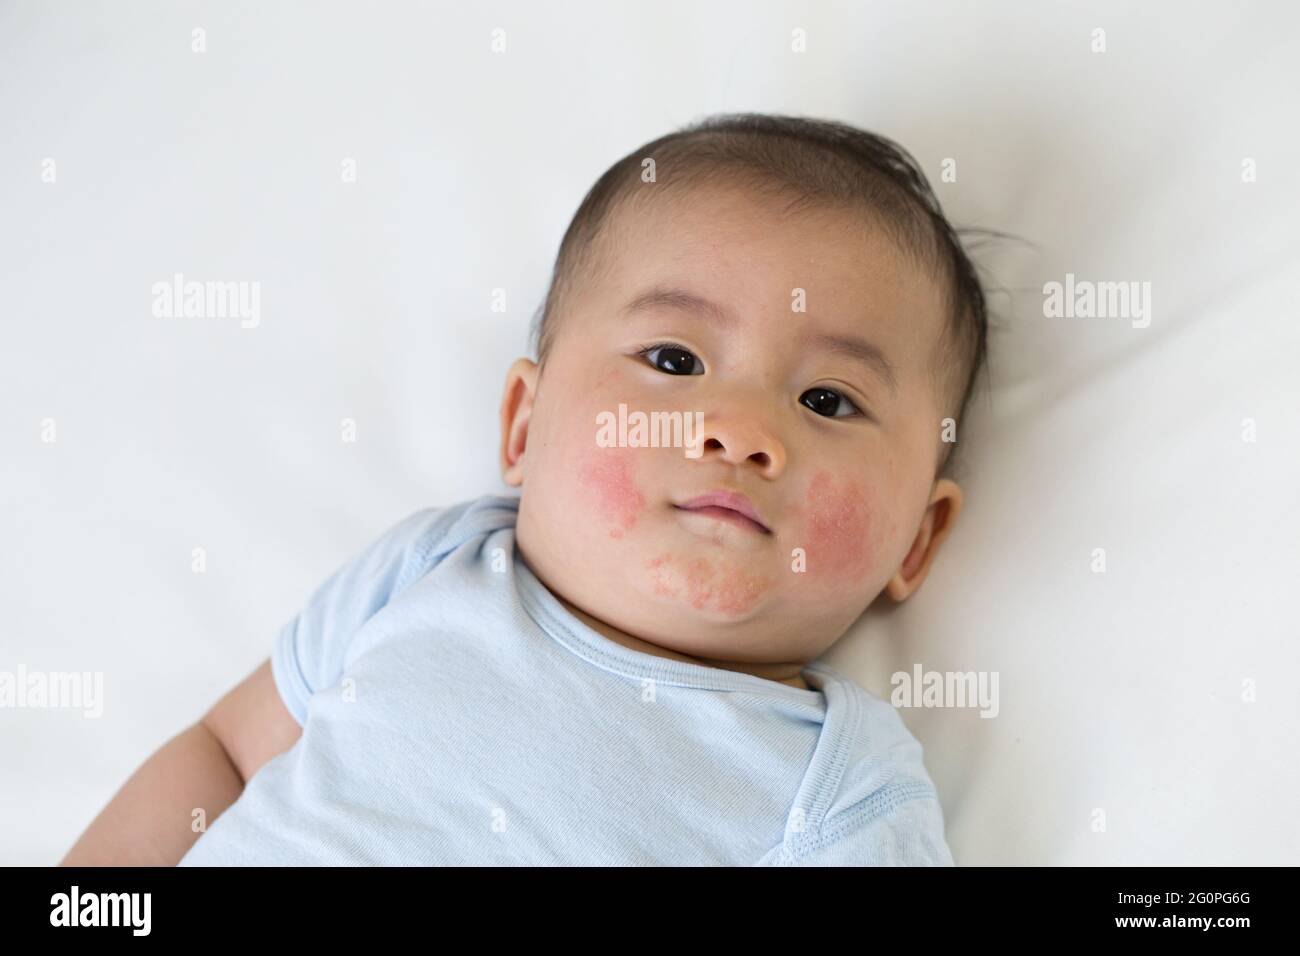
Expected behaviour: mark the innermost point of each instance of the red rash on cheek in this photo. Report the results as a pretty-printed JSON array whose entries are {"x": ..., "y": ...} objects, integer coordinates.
[
  {"x": 839, "y": 526},
  {"x": 608, "y": 475}
]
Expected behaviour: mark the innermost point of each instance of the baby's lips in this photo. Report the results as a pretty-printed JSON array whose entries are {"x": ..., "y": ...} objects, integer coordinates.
[{"x": 731, "y": 500}]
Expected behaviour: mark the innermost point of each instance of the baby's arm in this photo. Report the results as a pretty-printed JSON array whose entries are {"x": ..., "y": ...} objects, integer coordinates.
[{"x": 148, "y": 821}]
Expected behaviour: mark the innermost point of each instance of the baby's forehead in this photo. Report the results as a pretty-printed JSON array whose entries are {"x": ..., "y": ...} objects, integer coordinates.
[
  {"x": 766, "y": 222},
  {"x": 740, "y": 243}
]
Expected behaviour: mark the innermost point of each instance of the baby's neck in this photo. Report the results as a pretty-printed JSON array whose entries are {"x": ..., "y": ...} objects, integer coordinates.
[{"x": 783, "y": 673}]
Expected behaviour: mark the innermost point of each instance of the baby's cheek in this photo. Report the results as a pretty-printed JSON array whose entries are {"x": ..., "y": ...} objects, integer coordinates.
[
  {"x": 608, "y": 476},
  {"x": 839, "y": 528}
]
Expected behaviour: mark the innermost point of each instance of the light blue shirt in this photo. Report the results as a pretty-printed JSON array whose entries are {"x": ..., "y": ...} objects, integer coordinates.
[{"x": 455, "y": 712}]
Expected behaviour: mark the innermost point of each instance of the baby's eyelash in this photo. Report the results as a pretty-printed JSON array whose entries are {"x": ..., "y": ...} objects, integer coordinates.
[{"x": 663, "y": 345}]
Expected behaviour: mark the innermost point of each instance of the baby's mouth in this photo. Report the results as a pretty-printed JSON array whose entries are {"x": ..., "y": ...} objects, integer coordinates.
[
  {"x": 726, "y": 514},
  {"x": 728, "y": 506}
]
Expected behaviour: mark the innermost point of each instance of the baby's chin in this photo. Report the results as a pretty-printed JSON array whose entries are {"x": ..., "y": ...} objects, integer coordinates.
[
  {"x": 716, "y": 575},
  {"x": 708, "y": 569}
]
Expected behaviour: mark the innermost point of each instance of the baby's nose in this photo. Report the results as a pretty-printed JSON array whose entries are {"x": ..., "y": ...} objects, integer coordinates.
[{"x": 740, "y": 439}]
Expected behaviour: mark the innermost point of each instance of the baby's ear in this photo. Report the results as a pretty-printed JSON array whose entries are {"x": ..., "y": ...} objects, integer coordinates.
[
  {"x": 939, "y": 517},
  {"x": 516, "y": 410}
]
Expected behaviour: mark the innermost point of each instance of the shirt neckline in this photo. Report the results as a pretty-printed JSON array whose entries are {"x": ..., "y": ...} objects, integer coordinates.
[{"x": 554, "y": 618}]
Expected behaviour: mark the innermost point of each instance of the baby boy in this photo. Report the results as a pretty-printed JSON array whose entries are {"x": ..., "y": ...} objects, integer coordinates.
[{"x": 619, "y": 664}]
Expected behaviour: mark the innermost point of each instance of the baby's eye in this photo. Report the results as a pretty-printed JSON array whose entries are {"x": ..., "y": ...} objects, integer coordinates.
[
  {"x": 673, "y": 360},
  {"x": 825, "y": 401}
]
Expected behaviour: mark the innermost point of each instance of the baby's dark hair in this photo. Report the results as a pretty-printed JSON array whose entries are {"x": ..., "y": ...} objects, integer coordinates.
[{"x": 815, "y": 161}]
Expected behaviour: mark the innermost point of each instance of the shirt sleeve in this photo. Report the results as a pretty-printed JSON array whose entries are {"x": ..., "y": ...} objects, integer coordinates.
[
  {"x": 309, "y": 652},
  {"x": 907, "y": 833}
]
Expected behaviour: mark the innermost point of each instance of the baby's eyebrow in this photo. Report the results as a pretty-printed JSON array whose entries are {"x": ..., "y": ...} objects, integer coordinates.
[
  {"x": 850, "y": 346},
  {"x": 861, "y": 350},
  {"x": 660, "y": 297}
]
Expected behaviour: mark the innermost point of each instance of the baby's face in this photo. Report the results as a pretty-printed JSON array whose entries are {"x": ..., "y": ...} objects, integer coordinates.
[{"x": 834, "y": 450}]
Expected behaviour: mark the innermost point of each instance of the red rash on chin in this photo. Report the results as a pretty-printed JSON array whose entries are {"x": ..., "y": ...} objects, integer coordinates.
[
  {"x": 608, "y": 475},
  {"x": 730, "y": 590},
  {"x": 839, "y": 527}
]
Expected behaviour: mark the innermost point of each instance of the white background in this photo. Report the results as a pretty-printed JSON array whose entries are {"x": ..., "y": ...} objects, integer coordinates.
[{"x": 1120, "y": 692}]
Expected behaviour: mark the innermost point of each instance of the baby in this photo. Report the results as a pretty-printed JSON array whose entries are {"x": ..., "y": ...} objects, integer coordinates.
[{"x": 619, "y": 664}]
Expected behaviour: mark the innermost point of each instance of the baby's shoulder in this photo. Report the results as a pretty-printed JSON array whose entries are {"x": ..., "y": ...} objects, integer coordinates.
[
  {"x": 424, "y": 537},
  {"x": 874, "y": 802},
  {"x": 882, "y": 761}
]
